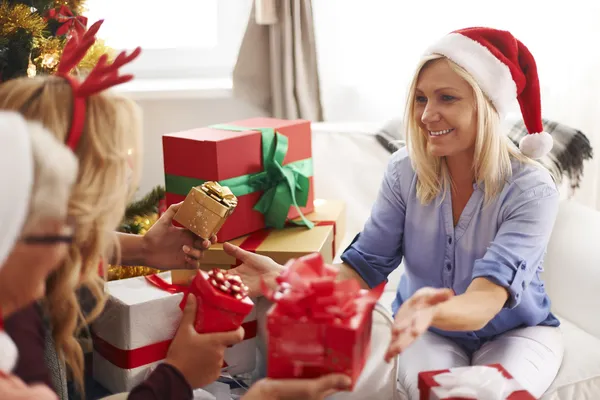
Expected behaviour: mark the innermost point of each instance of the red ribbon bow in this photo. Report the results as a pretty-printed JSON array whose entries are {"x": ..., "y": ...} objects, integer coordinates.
[
  {"x": 308, "y": 289},
  {"x": 69, "y": 21},
  {"x": 216, "y": 311}
]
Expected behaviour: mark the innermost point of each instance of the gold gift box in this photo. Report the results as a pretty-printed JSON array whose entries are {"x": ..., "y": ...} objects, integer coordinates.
[
  {"x": 283, "y": 244},
  {"x": 206, "y": 208}
]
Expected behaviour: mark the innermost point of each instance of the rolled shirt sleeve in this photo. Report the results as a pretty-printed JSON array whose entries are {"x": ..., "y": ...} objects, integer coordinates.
[
  {"x": 518, "y": 249},
  {"x": 377, "y": 250}
]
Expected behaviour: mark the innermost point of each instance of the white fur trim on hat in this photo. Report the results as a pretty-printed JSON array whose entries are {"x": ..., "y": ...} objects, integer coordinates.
[
  {"x": 536, "y": 145},
  {"x": 16, "y": 179},
  {"x": 493, "y": 75},
  {"x": 8, "y": 352}
]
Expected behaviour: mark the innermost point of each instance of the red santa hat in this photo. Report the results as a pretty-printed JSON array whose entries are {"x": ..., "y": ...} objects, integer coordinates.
[
  {"x": 505, "y": 70},
  {"x": 16, "y": 178}
]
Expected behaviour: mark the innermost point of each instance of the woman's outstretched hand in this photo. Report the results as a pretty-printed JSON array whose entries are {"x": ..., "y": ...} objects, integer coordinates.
[
  {"x": 414, "y": 318},
  {"x": 253, "y": 268}
]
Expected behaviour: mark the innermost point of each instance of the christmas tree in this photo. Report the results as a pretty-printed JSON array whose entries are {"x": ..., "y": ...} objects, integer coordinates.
[{"x": 33, "y": 34}]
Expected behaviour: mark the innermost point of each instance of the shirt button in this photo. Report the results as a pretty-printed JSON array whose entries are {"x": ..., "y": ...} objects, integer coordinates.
[
  {"x": 523, "y": 284},
  {"x": 448, "y": 266},
  {"x": 449, "y": 240}
]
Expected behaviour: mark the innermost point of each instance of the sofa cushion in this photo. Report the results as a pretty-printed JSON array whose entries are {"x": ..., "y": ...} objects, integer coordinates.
[
  {"x": 579, "y": 374},
  {"x": 572, "y": 271}
]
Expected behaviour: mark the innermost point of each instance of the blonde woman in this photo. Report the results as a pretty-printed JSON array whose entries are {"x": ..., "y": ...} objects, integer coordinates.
[
  {"x": 36, "y": 175},
  {"x": 468, "y": 214},
  {"x": 104, "y": 131}
]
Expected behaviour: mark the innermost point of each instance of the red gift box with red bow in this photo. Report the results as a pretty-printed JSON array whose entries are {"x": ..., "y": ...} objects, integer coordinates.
[
  {"x": 483, "y": 382},
  {"x": 222, "y": 301},
  {"x": 318, "y": 325}
]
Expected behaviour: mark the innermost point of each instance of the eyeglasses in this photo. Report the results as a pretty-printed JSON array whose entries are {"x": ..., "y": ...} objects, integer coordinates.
[{"x": 52, "y": 239}]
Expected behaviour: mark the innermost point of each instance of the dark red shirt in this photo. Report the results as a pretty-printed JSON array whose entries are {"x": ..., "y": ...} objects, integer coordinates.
[{"x": 27, "y": 329}]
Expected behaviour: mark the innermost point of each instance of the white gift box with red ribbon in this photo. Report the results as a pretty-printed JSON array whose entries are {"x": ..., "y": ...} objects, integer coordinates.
[
  {"x": 133, "y": 334},
  {"x": 482, "y": 382}
]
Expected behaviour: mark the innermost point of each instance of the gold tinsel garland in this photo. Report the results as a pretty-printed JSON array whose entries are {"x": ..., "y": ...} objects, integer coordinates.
[
  {"x": 47, "y": 50},
  {"x": 93, "y": 55},
  {"x": 116, "y": 272},
  {"x": 50, "y": 51},
  {"x": 74, "y": 5},
  {"x": 19, "y": 16}
]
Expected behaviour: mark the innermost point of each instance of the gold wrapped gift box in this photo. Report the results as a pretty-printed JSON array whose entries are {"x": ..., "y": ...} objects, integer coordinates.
[{"x": 206, "y": 208}]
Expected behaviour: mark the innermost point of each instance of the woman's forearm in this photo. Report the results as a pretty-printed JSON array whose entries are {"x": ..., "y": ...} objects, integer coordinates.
[
  {"x": 347, "y": 272},
  {"x": 132, "y": 250},
  {"x": 472, "y": 310}
]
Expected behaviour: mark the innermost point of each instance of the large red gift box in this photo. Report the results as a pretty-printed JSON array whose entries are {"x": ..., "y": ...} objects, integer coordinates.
[
  {"x": 266, "y": 162},
  {"x": 482, "y": 382},
  {"x": 318, "y": 325}
]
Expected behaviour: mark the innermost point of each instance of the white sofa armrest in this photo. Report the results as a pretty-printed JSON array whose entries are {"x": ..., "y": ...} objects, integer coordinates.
[{"x": 572, "y": 266}]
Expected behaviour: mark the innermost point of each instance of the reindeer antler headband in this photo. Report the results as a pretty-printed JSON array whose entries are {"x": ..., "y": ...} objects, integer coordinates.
[{"x": 102, "y": 77}]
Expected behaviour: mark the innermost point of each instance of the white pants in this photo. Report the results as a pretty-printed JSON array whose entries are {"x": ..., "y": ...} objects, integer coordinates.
[{"x": 531, "y": 355}]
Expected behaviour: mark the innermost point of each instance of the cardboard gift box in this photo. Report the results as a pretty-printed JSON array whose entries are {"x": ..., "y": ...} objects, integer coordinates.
[
  {"x": 483, "y": 382},
  {"x": 133, "y": 333},
  {"x": 329, "y": 217},
  {"x": 318, "y": 325},
  {"x": 266, "y": 162}
]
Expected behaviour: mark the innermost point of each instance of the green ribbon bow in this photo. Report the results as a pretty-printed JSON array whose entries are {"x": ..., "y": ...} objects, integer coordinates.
[{"x": 283, "y": 185}]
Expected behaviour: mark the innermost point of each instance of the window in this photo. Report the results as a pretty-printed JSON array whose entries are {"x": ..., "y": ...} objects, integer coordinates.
[{"x": 179, "y": 38}]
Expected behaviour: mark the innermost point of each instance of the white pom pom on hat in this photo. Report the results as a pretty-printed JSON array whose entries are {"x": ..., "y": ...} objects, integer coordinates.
[{"x": 505, "y": 70}]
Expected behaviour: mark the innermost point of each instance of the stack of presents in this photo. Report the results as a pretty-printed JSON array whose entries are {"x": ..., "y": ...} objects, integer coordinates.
[{"x": 251, "y": 182}]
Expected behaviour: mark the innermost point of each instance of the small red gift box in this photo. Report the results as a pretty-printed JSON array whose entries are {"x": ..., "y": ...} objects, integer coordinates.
[
  {"x": 482, "y": 382},
  {"x": 318, "y": 325},
  {"x": 217, "y": 311},
  {"x": 266, "y": 162}
]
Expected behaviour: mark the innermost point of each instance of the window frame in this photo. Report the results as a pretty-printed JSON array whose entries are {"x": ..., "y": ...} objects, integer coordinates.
[{"x": 197, "y": 63}]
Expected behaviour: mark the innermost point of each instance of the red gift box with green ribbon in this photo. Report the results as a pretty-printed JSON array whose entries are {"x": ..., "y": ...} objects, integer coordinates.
[
  {"x": 318, "y": 325},
  {"x": 266, "y": 162}
]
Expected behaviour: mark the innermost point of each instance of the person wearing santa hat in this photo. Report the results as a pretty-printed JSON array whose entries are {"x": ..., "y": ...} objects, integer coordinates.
[
  {"x": 468, "y": 213},
  {"x": 36, "y": 176}
]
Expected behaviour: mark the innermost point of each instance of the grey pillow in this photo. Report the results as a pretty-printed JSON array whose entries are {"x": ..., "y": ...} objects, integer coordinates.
[{"x": 391, "y": 135}]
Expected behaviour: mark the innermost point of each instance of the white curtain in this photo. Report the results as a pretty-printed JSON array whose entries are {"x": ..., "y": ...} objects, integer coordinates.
[{"x": 367, "y": 51}]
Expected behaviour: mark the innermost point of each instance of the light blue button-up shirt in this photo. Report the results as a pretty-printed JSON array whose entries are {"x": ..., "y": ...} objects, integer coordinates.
[{"x": 504, "y": 241}]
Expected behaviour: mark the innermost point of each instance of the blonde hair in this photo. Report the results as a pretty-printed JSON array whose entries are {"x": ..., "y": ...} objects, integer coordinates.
[
  {"x": 108, "y": 149},
  {"x": 493, "y": 150},
  {"x": 54, "y": 174}
]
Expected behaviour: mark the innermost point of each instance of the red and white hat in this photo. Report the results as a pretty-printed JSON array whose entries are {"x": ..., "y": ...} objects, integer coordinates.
[{"x": 505, "y": 70}]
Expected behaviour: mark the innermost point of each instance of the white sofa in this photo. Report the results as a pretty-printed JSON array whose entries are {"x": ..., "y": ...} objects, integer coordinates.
[{"x": 349, "y": 164}]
